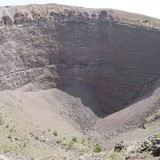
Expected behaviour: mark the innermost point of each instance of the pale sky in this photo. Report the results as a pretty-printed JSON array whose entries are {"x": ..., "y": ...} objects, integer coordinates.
[{"x": 146, "y": 7}]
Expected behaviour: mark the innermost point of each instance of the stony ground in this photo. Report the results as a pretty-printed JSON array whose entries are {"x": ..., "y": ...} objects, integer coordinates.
[
  {"x": 74, "y": 71},
  {"x": 42, "y": 125}
]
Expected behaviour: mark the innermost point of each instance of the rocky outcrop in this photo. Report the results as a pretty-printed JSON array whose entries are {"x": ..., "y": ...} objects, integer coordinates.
[
  {"x": 148, "y": 146},
  {"x": 116, "y": 53}
]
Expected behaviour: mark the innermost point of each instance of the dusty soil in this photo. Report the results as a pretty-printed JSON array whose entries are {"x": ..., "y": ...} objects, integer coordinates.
[
  {"x": 31, "y": 119},
  {"x": 40, "y": 123},
  {"x": 76, "y": 80},
  {"x": 129, "y": 124}
]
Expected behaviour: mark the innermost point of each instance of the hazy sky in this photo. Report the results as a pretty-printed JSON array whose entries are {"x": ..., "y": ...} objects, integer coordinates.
[{"x": 146, "y": 7}]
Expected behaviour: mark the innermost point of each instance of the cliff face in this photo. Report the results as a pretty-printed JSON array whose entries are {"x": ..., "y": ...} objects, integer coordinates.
[{"x": 116, "y": 53}]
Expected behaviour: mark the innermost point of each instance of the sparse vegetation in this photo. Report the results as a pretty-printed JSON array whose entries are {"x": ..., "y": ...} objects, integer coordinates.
[
  {"x": 34, "y": 136},
  {"x": 89, "y": 138},
  {"x": 1, "y": 119},
  {"x": 17, "y": 138},
  {"x": 157, "y": 135},
  {"x": 97, "y": 148},
  {"x": 83, "y": 141},
  {"x": 116, "y": 155},
  {"x": 74, "y": 139},
  {"x": 10, "y": 137},
  {"x": 50, "y": 84},
  {"x": 55, "y": 133},
  {"x": 12, "y": 130},
  {"x": 59, "y": 141},
  {"x": 70, "y": 145},
  {"x": 7, "y": 149},
  {"x": 152, "y": 118}
]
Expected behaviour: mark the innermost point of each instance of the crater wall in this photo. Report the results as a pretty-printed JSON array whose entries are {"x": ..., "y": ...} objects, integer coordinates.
[{"x": 116, "y": 53}]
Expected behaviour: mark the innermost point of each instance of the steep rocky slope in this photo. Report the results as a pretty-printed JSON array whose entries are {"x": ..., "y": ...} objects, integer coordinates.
[
  {"x": 73, "y": 70},
  {"x": 134, "y": 116},
  {"x": 116, "y": 53}
]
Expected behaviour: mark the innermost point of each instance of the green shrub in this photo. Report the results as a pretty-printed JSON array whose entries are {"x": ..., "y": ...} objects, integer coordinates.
[
  {"x": 34, "y": 136},
  {"x": 152, "y": 118},
  {"x": 157, "y": 135},
  {"x": 74, "y": 139},
  {"x": 1, "y": 119},
  {"x": 17, "y": 138},
  {"x": 7, "y": 149},
  {"x": 59, "y": 141},
  {"x": 12, "y": 130},
  {"x": 10, "y": 137},
  {"x": 70, "y": 145},
  {"x": 97, "y": 148},
  {"x": 83, "y": 141},
  {"x": 116, "y": 155},
  {"x": 55, "y": 133}
]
